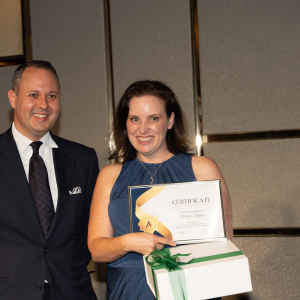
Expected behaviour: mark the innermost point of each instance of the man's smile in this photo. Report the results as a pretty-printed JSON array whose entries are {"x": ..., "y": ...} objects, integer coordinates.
[{"x": 41, "y": 116}]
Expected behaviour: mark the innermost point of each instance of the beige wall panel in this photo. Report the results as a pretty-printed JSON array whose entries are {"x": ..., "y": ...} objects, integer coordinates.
[
  {"x": 274, "y": 267},
  {"x": 11, "y": 39},
  {"x": 249, "y": 64},
  {"x": 71, "y": 36},
  {"x": 263, "y": 179},
  {"x": 152, "y": 40},
  {"x": 6, "y": 112}
]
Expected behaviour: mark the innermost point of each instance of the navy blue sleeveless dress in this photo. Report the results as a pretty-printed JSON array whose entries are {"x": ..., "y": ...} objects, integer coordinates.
[{"x": 125, "y": 277}]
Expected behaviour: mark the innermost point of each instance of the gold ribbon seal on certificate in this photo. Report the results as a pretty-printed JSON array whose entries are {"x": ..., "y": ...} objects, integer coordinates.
[{"x": 150, "y": 223}]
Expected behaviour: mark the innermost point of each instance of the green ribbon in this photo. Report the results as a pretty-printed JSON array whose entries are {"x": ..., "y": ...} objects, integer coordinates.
[{"x": 162, "y": 259}]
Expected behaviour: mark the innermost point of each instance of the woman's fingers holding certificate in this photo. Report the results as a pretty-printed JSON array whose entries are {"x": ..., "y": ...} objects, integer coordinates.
[
  {"x": 160, "y": 246},
  {"x": 145, "y": 243},
  {"x": 162, "y": 242}
]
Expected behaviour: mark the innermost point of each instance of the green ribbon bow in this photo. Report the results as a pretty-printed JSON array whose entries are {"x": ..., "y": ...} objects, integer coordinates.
[{"x": 162, "y": 259}]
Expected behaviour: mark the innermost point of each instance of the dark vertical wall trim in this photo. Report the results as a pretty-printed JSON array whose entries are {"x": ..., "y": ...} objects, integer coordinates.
[
  {"x": 196, "y": 75},
  {"x": 27, "y": 45},
  {"x": 109, "y": 67}
]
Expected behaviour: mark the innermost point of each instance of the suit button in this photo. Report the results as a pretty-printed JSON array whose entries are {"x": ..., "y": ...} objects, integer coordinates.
[
  {"x": 46, "y": 250},
  {"x": 39, "y": 287}
]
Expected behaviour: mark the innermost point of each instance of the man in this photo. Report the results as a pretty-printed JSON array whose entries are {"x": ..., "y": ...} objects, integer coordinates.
[{"x": 46, "y": 186}]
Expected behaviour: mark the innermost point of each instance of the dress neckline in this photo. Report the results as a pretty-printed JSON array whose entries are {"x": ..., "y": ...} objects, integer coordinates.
[{"x": 153, "y": 164}]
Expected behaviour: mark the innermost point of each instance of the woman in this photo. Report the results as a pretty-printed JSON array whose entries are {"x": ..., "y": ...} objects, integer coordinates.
[{"x": 150, "y": 141}]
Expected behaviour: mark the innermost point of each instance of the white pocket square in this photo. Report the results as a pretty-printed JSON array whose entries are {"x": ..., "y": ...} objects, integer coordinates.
[{"x": 76, "y": 190}]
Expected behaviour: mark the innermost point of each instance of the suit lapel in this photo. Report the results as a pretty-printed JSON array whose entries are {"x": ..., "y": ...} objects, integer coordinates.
[
  {"x": 12, "y": 168},
  {"x": 64, "y": 172}
]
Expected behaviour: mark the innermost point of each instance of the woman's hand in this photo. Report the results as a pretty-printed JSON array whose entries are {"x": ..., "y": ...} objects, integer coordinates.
[{"x": 145, "y": 243}]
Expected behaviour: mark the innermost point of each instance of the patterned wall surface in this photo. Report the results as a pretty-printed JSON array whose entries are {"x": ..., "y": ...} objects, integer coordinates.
[
  {"x": 250, "y": 67},
  {"x": 152, "y": 40},
  {"x": 249, "y": 70}
]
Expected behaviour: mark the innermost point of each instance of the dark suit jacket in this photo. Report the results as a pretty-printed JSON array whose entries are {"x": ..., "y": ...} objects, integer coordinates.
[{"x": 24, "y": 253}]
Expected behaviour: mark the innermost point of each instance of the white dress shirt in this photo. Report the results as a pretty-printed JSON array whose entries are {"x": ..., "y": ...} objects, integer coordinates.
[{"x": 45, "y": 151}]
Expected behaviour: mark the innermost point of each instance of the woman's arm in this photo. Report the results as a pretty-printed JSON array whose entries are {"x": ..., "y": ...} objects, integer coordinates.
[
  {"x": 206, "y": 169},
  {"x": 104, "y": 247}
]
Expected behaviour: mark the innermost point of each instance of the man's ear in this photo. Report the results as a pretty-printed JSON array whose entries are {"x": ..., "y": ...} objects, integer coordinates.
[{"x": 12, "y": 98}]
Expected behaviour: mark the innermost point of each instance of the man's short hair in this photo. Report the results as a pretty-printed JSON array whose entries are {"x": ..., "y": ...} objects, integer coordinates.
[{"x": 39, "y": 64}]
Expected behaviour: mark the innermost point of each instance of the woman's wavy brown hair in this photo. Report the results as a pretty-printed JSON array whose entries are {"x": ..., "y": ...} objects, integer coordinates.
[{"x": 176, "y": 137}]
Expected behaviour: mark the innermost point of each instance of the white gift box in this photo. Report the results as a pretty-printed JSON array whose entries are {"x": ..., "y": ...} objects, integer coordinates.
[
  {"x": 208, "y": 279},
  {"x": 192, "y": 214}
]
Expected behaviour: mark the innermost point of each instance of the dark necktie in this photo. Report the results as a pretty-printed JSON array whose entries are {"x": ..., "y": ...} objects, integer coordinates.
[{"x": 40, "y": 189}]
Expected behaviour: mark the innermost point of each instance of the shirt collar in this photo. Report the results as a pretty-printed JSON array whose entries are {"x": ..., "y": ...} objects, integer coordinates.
[{"x": 23, "y": 142}]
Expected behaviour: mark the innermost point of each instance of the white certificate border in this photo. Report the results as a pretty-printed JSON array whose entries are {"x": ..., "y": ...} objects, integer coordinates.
[{"x": 179, "y": 183}]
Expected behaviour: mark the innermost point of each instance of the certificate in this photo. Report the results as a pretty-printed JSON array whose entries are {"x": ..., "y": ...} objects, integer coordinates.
[{"x": 183, "y": 212}]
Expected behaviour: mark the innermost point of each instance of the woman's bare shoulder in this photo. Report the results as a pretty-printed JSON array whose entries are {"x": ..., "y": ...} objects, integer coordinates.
[
  {"x": 205, "y": 168},
  {"x": 109, "y": 174},
  {"x": 112, "y": 169},
  {"x": 203, "y": 161}
]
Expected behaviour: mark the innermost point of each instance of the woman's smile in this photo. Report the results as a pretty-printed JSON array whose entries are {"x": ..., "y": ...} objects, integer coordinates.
[{"x": 144, "y": 139}]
